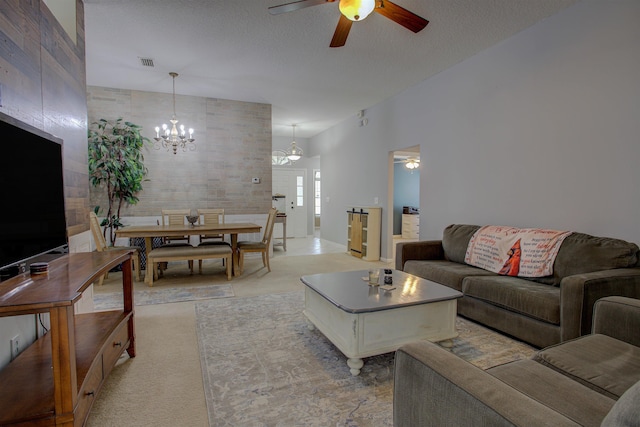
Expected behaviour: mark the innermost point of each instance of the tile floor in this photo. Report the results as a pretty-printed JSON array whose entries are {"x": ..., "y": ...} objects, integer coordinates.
[{"x": 310, "y": 245}]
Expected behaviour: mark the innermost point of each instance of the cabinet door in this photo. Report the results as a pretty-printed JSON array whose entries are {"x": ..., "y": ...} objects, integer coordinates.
[{"x": 356, "y": 235}]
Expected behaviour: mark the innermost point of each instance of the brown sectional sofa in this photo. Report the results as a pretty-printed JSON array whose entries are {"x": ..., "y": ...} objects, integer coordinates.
[
  {"x": 593, "y": 380},
  {"x": 542, "y": 311}
]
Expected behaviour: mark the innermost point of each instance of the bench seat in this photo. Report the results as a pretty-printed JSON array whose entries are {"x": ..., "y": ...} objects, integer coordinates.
[{"x": 188, "y": 252}]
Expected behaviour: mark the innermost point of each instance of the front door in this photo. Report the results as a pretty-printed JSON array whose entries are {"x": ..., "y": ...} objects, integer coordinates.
[{"x": 291, "y": 183}]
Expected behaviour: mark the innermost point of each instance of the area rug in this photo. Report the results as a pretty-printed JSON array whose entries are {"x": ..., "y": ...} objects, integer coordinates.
[
  {"x": 263, "y": 366},
  {"x": 111, "y": 300}
]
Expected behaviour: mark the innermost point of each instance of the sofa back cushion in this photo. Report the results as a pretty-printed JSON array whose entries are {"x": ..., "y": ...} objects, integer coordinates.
[
  {"x": 581, "y": 253},
  {"x": 455, "y": 240}
]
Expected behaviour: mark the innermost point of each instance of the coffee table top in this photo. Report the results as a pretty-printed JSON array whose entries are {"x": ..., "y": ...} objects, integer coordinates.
[{"x": 351, "y": 292}]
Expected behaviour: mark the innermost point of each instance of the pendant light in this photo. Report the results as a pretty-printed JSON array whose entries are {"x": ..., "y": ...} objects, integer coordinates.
[{"x": 294, "y": 153}]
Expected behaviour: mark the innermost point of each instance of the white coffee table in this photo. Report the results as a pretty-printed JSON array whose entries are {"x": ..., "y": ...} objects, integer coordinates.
[{"x": 363, "y": 320}]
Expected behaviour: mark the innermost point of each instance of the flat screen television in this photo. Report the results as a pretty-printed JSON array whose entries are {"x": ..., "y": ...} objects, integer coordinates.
[{"x": 32, "y": 212}]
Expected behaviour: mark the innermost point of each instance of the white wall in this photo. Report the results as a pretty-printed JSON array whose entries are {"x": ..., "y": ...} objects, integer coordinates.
[{"x": 541, "y": 130}]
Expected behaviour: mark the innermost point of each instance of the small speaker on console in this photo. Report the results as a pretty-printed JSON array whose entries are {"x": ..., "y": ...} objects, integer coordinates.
[{"x": 39, "y": 268}]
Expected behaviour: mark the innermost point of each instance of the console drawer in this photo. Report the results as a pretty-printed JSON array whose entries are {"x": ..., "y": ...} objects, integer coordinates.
[
  {"x": 88, "y": 393},
  {"x": 117, "y": 343}
]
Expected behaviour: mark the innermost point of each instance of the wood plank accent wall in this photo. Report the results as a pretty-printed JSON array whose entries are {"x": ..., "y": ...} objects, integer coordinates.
[
  {"x": 233, "y": 145},
  {"x": 43, "y": 83}
]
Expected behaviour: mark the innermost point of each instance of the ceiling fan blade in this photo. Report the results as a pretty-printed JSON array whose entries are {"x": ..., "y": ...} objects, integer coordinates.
[
  {"x": 296, "y": 5},
  {"x": 342, "y": 32},
  {"x": 402, "y": 16}
]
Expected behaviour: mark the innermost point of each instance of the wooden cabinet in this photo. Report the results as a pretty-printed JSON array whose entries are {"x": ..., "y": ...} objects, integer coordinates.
[
  {"x": 363, "y": 232},
  {"x": 410, "y": 226},
  {"x": 56, "y": 379}
]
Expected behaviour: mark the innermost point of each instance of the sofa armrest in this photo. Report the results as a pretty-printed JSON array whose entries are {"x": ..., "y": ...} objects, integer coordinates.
[
  {"x": 579, "y": 293},
  {"x": 618, "y": 317},
  {"x": 433, "y": 387},
  {"x": 424, "y": 250}
]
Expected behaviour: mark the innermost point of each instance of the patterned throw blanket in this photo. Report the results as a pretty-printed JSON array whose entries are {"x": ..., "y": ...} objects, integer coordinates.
[{"x": 524, "y": 252}]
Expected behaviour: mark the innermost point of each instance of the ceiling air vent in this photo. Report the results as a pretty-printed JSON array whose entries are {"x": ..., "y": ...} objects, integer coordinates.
[{"x": 146, "y": 62}]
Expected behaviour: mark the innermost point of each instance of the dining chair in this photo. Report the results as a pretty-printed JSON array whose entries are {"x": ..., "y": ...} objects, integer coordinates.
[
  {"x": 175, "y": 217},
  {"x": 262, "y": 246},
  {"x": 101, "y": 246},
  {"x": 211, "y": 216}
]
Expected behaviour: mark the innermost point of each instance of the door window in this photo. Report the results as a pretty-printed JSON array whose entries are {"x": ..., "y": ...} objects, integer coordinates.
[{"x": 299, "y": 191}]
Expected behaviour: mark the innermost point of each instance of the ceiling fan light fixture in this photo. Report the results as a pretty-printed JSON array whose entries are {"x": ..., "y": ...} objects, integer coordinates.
[
  {"x": 356, "y": 10},
  {"x": 412, "y": 164}
]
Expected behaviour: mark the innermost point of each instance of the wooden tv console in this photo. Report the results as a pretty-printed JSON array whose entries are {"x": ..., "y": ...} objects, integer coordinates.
[{"x": 56, "y": 379}]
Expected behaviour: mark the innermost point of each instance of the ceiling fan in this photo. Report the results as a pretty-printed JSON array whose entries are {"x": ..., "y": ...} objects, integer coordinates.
[
  {"x": 410, "y": 163},
  {"x": 357, "y": 10}
]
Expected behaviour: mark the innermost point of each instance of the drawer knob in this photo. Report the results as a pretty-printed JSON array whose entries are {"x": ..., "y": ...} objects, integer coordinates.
[{"x": 117, "y": 344}]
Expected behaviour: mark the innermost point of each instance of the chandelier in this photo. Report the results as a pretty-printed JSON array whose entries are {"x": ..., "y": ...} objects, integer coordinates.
[
  {"x": 294, "y": 153},
  {"x": 171, "y": 139}
]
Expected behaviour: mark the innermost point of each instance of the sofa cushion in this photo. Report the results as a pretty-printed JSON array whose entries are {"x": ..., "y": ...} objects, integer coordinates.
[
  {"x": 626, "y": 411},
  {"x": 455, "y": 240},
  {"x": 581, "y": 253},
  {"x": 433, "y": 387},
  {"x": 602, "y": 363},
  {"x": 446, "y": 273},
  {"x": 532, "y": 299},
  {"x": 570, "y": 398}
]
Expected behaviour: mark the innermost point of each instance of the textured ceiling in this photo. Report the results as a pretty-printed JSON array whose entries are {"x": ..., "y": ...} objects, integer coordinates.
[{"x": 237, "y": 50}]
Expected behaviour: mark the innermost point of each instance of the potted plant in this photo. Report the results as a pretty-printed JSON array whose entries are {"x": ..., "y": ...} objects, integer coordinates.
[{"x": 116, "y": 164}]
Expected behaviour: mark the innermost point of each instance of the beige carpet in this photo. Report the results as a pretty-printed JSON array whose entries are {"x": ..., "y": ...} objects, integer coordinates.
[
  {"x": 256, "y": 280},
  {"x": 163, "y": 385},
  {"x": 150, "y": 296}
]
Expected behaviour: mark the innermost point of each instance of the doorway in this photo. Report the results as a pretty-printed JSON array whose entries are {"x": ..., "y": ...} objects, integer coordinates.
[
  {"x": 291, "y": 184},
  {"x": 404, "y": 197}
]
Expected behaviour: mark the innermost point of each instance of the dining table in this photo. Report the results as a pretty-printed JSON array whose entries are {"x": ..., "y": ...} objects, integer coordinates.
[{"x": 148, "y": 232}]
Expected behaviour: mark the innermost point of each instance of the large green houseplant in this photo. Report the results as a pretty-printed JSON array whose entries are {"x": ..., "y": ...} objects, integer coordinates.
[{"x": 116, "y": 163}]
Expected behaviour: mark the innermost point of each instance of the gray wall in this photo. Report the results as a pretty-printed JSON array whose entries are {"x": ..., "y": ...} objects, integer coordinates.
[
  {"x": 541, "y": 130},
  {"x": 233, "y": 145},
  {"x": 42, "y": 83}
]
